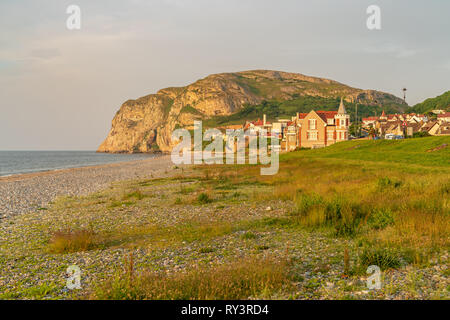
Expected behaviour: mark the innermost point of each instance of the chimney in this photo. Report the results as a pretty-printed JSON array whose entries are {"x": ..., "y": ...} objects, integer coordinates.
[{"x": 264, "y": 119}]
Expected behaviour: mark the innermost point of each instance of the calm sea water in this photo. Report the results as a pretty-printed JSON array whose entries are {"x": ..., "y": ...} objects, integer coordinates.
[{"x": 15, "y": 162}]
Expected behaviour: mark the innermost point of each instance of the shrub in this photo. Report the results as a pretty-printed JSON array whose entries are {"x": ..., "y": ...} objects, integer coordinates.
[
  {"x": 313, "y": 210},
  {"x": 206, "y": 250},
  {"x": 346, "y": 228},
  {"x": 248, "y": 235},
  {"x": 381, "y": 218},
  {"x": 137, "y": 194},
  {"x": 421, "y": 134},
  {"x": 445, "y": 189},
  {"x": 386, "y": 182},
  {"x": 306, "y": 202},
  {"x": 186, "y": 190},
  {"x": 236, "y": 195},
  {"x": 203, "y": 198},
  {"x": 383, "y": 258}
]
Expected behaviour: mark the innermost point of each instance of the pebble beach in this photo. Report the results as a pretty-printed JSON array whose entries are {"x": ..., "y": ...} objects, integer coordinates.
[
  {"x": 23, "y": 193},
  {"x": 137, "y": 209}
]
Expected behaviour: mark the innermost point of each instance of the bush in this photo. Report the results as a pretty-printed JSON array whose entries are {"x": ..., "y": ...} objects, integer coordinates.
[
  {"x": 137, "y": 194},
  {"x": 387, "y": 182},
  {"x": 381, "y": 218},
  {"x": 421, "y": 134},
  {"x": 306, "y": 202},
  {"x": 383, "y": 258},
  {"x": 445, "y": 189},
  {"x": 203, "y": 198},
  {"x": 345, "y": 216},
  {"x": 68, "y": 241},
  {"x": 206, "y": 250},
  {"x": 248, "y": 235}
]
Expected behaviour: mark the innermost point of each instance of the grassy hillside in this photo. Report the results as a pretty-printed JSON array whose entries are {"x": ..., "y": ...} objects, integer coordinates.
[
  {"x": 284, "y": 94},
  {"x": 393, "y": 152},
  {"x": 440, "y": 102},
  {"x": 275, "y": 109},
  {"x": 277, "y": 85}
]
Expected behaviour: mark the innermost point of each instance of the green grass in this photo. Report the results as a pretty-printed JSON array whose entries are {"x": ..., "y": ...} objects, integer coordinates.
[
  {"x": 337, "y": 209},
  {"x": 203, "y": 198},
  {"x": 383, "y": 258},
  {"x": 393, "y": 152},
  {"x": 35, "y": 292},
  {"x": 189, "y": 109}
]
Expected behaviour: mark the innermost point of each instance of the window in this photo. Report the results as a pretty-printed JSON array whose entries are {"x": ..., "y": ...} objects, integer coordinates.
[
  {"x": 342, "y": 122},
  {"x": 312, "y": 124},
  {"x": 312, "y": 136},
  {"x": 330, "y": 136}
]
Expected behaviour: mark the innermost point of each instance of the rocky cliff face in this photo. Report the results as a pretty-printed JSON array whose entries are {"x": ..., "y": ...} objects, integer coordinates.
[{"x": 146, "y": 124}]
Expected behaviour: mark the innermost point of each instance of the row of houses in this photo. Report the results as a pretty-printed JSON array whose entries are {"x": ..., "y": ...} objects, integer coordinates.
[
  {"x": 407, "y": 124},
  {"x": 315, "y": 129},
  {"x": 318, "y": 129}
]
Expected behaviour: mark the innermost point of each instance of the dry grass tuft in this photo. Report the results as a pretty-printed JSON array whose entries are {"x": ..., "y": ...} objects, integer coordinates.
[
  {"x": 67, "y": 241},
  {"x": 243, "y": 279}
]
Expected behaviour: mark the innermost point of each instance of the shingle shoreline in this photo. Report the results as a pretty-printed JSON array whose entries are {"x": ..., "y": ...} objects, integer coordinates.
[{"x": 23, "y": 193}]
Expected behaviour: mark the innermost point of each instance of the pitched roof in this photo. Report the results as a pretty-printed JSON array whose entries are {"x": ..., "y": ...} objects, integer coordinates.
[
  {"x": 259, "y": 122},
  {"x": 444, "y": 115},
  {"x": 370, "y": 118},
  {"x": 427, "y": 126},
  {"x": 326, "y": 114},
  {"x": 444, "y": 128},
  {"x": 416, "y": 126}
]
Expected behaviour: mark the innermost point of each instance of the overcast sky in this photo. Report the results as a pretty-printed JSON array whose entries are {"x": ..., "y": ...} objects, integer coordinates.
[{"x": 59, "y": 89}]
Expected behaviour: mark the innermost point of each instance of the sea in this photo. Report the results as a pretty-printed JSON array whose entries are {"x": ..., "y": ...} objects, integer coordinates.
[{"x": 18, "y": 162}]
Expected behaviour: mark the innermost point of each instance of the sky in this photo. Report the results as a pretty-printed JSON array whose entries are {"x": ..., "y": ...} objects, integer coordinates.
[{"x": 60, "y": 88}]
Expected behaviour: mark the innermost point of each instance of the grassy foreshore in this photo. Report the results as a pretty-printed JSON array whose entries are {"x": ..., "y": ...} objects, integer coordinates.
[{"x": 225, "y": 232}]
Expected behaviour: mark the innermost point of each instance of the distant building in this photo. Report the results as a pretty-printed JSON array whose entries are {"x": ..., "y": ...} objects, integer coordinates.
[
  {"x": 257, "y": 126},
  {"x": 370, "y": 121},
  {"x": 437, "y": 128},
  {"x": 316, "y": 129},
  {"x": 395, "y": 124},
  {"x": 444, "y": 117}
]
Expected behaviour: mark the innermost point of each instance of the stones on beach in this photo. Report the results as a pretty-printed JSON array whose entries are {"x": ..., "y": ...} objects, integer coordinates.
[{"x": 21, "y": 194}]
